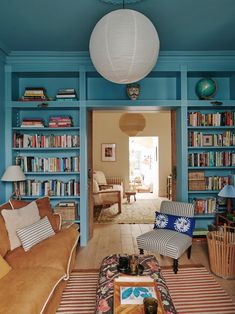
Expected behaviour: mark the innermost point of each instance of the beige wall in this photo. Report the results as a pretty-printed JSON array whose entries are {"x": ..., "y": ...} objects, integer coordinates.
[{"x": 106, "y": 130}]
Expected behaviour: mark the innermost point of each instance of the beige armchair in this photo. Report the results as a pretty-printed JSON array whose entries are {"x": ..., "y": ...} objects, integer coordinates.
[
  {"x": 104, "y": 183},
  {"x": 106, "y": 197}
]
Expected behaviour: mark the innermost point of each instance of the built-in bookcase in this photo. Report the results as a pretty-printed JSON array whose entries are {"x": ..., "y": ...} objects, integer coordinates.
[{"x": 211, "y": 159}]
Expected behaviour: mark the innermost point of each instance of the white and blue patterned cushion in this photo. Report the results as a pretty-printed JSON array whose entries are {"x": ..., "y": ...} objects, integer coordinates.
[
  {"x": 182, "y": 224},
  {"x": 35, "y": 233}
]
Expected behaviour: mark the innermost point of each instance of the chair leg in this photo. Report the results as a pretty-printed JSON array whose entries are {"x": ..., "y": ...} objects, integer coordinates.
[
  {"x": 189, "y": 252},
  {"x": 141, "y": 251},
  {"x": 175, "y": 265}
]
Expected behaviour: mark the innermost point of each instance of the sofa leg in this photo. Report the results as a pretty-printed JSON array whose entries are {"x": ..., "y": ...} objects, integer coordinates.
[
  {"x": 175, "y": 265},
  {"x": 141, "y": 251},
  {"x": 189, "y": 252}
]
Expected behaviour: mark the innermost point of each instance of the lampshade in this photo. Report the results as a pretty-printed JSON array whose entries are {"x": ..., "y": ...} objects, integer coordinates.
[
  {"x": 228, "y": 191},
  {"x": 132, "y": 123},
  {"x": 13, "y": 174},
  {"x": 124, "y": 46}
]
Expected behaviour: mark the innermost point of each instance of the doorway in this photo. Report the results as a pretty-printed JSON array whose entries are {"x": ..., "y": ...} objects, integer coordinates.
[{"x": 143, "y": 164}]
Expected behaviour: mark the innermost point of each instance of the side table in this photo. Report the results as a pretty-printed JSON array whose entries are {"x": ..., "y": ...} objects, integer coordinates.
[{"x": 129, "y": 194}]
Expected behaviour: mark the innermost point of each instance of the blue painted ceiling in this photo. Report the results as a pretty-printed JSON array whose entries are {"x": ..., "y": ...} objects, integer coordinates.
[{"x": 66, "y": 25}]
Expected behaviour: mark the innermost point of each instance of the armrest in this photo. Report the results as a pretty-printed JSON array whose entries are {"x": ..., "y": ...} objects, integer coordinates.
[
  {"x": 105, "y": 186},
  {"x": 57, "y": 219}
]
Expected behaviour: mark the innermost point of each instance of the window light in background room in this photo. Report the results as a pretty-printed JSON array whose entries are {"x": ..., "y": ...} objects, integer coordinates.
[
  {"x": 124, "y": 45},
  {"x": 14, "y": 174},
  {"x": 228, "y": 192}
]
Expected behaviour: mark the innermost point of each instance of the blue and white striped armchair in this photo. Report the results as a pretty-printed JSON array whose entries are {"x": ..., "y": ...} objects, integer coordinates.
[{"x": 167, "y": 242}]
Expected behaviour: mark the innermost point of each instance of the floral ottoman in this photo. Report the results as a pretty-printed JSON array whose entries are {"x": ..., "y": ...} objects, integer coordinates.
[{"x": 109, "y": 271}]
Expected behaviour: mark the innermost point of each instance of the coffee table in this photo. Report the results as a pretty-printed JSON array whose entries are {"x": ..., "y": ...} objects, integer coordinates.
[{"x": 109, "y": 271}]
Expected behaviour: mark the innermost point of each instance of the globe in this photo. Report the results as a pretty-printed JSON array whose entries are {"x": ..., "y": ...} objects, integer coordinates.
[{"x": 206, "y": 88}]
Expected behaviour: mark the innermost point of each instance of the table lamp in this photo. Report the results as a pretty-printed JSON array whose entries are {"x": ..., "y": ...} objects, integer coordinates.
[
  {"x": 14, "y": 174},
  {"x": 228, "y": 192}
]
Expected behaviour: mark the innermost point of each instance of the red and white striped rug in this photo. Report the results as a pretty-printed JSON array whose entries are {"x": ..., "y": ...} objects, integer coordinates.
[{"x": 193, "y": 290}]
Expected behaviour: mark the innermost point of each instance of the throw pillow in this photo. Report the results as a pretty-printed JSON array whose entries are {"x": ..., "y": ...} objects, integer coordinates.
[
  {"x": 44, "y": 207},
  {"x": 4, "y": 267},
  {"x": 19, "y": 218},
  {"x": 35, "y": 233},
  {"x": 180, "y": 224}
]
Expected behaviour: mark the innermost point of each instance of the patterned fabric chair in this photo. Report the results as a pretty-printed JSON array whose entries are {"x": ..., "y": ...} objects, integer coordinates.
[{"x": 166, "y": 242}]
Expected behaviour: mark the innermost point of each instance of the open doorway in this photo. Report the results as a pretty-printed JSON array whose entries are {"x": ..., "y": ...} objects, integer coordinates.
[{"x": 143, "y": 164}]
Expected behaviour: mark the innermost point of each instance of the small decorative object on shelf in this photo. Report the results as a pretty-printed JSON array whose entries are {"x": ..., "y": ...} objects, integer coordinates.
[
  {"x": 206, "y": 88},
  {"x": 133, "y": 91}
]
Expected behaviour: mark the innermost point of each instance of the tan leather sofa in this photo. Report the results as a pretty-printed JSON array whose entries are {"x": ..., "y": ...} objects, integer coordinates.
[{"x": 38, "y": 277}]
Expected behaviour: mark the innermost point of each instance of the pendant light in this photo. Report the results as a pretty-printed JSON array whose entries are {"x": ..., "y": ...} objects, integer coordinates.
[{"x": 124, "y": 46}]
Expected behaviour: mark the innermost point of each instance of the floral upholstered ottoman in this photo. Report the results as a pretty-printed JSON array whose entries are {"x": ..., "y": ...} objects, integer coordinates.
[{"x": 109, "y": 271}]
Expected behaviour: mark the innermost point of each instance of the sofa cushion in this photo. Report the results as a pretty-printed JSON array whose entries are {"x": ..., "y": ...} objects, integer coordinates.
[
  {"x": 53, "y": 252},
  {"x": 44, "y": 207},
  {"x": 4, "y": 267},
  {"x": 99, "y": 177},
  {"x": 4, "y": 243},
  {"x": 19, "y": 218},
  {"x": 19, "y": 293},
  {"x": 35, "y": 233}
]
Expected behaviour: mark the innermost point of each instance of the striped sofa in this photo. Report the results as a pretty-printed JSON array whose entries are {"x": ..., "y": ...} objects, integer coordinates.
[{"x": 168, "y": 242}]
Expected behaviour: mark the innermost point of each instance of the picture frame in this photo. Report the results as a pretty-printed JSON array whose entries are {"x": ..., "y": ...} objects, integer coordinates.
[
  {"x": 108, "y": 152},
  {"x": 207, "y": 140}
]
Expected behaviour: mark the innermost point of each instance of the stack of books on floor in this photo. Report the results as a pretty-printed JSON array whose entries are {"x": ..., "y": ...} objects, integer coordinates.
[
  {"x": 66, "y": 94},
  {"x": 32, "y": 123},
  {"x": 60, "y": 122},
  {"x": 34, "y": 94}
]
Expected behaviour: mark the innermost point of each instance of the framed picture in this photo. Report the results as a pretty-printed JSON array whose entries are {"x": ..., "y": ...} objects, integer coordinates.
[
  {"x": 108, "y": 152},
  {"x": 207, "y": 140}
]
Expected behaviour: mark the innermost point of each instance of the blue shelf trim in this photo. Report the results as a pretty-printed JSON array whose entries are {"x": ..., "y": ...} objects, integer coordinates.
[
  {"x": 51, "y": 197},
  {"x": 211, "y": 168},
  {"x": 52, "y": 173},
  {"x": 46, "y": 149},
  {"x": 45, "y": 129},
  {"x": 203, "y": 192}
]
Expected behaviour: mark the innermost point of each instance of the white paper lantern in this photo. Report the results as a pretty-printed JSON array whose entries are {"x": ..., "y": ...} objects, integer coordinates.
[{"x": 124, "y": 46}]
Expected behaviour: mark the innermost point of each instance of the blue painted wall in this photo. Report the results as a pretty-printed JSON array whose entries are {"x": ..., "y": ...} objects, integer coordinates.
[
  {"x": 2, "y": 124},
  {"x": 171, "y": 85}
]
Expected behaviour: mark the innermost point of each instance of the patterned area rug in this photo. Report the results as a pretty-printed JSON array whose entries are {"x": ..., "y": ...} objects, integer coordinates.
[
  {"x": 193, "y": 290},
  {"x": 140, "y": 212}
]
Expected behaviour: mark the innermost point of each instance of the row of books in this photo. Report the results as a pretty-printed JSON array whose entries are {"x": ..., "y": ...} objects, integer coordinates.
[
  {"x": 60, "y": 122},
  {"x": 50, "y": 188},
  {"x": 32, "y": 123},
  {"x": 199, "y": 139},
  {"x": 212, "y": 159},
  {"x": 204, "y": 205},
  {"x": 216, "y": 183},
  {"x": 45, "y": 141},
  {"x": 66, "y": 93},
  {"x": 34, "y": 94},
  {"x": 198, "y": 118},
  {"x": 50, "y": 164},
  {"x": 40, "y": 94}
]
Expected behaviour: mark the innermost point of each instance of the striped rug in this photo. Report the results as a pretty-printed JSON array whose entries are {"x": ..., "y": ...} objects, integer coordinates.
[{"x": 193, "y": 290}]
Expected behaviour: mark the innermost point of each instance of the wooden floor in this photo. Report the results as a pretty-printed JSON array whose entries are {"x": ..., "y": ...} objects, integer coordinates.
[{"x": 121, "y": 238}]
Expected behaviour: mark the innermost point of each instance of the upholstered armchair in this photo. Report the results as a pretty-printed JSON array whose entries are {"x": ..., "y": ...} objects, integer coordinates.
[
  {"x": 104, "y": 183},
  {"x": 172, "y": 233},
  {"x": 106, "y": 197}
]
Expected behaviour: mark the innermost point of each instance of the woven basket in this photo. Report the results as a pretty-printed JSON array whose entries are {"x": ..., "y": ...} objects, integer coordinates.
[
  {"x": 67, "y": 212},
  {"x": 221, "y": 246}
]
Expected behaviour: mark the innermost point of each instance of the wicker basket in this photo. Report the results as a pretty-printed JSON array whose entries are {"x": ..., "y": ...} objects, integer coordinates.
[
  {"x": 221, "y": 246},
  {"x": 196, "y": 185},
  {"x": 67, "y": 212}
]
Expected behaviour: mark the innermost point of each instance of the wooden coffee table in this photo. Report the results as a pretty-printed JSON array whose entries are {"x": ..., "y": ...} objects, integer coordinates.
[
  {"x": 129, "y": 194},
  {"x": 108, "y": 273}
]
